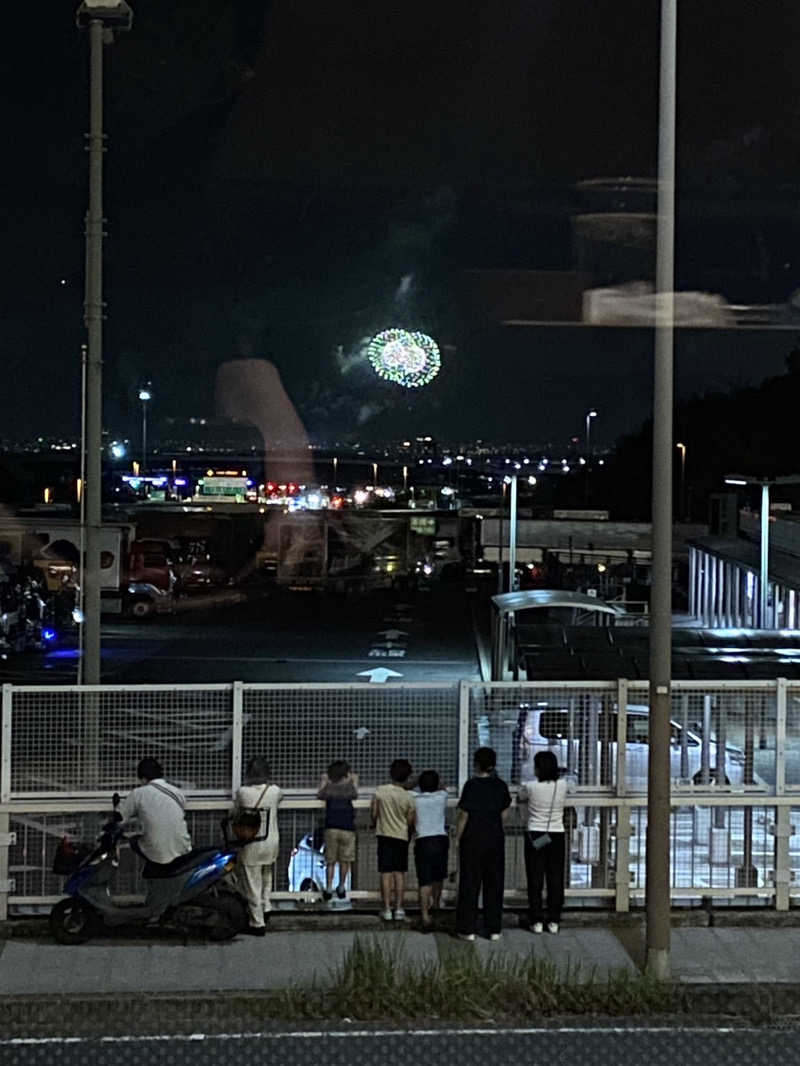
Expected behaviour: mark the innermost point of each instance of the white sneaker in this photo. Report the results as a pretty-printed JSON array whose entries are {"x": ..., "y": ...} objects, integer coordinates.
[
  {"x": 400, "y": 915},
  {"x": 469, "y": 937},
  {"x": 552, "y": 927},
  {"x": 495, "y": 936},
  {"x": 537, "y": 927},
  {"x": 386, "y": 916}
]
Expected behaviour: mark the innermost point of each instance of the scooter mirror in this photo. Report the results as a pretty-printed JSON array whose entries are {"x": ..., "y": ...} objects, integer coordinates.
[{"x": 115, "y": 800}]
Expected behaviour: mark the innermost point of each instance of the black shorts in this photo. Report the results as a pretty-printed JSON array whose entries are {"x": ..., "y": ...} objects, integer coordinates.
[
  {"x": 430, "y": 855},
  {"x": 392, "y": 855}
]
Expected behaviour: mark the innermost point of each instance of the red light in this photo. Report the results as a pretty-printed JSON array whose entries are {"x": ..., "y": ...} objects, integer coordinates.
[
  {"x": 270, "y": 487},
  {"x": 292, "y": 487}
]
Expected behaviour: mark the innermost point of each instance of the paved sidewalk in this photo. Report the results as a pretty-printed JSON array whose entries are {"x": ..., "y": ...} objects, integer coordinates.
[{"x": 31, "y": 967}]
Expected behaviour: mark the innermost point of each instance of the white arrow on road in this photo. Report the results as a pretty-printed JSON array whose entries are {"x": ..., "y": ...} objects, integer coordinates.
[
  {"x": 392, "y": 634},
  {"x": 379, "y": 674}
]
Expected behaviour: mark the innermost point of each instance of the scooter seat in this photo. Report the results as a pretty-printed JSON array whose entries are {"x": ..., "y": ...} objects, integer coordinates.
[{"x": 153, "y": 871}]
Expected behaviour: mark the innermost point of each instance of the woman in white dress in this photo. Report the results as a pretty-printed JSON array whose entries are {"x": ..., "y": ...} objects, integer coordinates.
[{"x": 256, "y": 860}]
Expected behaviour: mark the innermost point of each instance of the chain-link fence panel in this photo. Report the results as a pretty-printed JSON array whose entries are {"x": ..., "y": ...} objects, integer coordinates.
[
  {"x": 301, "y": 729},
  {"x": 792, "y": 745},
  {"x": 718, "y": 735},
  {"x": 84, "y": 741},
  {"x": 711, "y": 847},
  {"x": 577, "y": 723}
]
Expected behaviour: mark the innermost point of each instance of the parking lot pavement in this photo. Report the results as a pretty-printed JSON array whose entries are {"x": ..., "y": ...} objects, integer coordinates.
[
  {"x": 590, "y": 950},
  {"x": 729, "y": 956},
  {"x": 715, "y": 956},
  {"x": 249, "y": 964}
]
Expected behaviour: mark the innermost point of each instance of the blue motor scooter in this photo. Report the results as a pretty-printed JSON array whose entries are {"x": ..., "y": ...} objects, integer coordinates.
[{"x": 194, "y": 894}]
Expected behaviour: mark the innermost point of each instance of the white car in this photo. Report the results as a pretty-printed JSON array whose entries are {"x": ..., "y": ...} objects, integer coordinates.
[
  {"x": 548, "y": 728},
  {"x": 306, "y": 871}
]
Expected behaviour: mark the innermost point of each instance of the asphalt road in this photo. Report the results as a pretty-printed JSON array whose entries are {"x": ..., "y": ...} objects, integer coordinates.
[
  {"x": 284, "y": 638},
  {"x": 580, "y": 1046}
]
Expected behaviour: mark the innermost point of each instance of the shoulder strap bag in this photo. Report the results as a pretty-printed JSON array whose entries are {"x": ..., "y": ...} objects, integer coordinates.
[
  {"x": 543, "y": 839},
  {"x": 172, "y": 796},
  {"x": 246, "y": 822}
]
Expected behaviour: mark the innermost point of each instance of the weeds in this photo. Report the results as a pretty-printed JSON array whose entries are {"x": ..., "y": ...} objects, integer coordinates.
[{"x": 375, "y": 981}]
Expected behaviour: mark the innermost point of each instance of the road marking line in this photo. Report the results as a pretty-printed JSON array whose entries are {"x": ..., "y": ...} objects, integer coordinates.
[
  {"x": 260, "y": 659},
  {"x": 343, "y": 1034}
]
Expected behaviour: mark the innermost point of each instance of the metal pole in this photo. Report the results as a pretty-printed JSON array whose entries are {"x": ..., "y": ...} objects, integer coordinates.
[
  {"x": 658, "y": 791},
  {"x": 764, "y": 582},
  {"x": 512, "y": 538},
  {"x": 93, "y": 318},
  {"x": 144, "y": 437},
  {"x": 82, "y": 560},
  {"x": 588, "y": 434}
]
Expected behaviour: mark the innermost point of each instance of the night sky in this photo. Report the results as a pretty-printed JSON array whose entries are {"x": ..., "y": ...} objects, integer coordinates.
[{"x": 275, "y": 170}]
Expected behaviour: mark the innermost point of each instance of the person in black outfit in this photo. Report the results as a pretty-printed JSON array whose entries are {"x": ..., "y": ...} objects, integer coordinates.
[{"x": 482, "y": 811}]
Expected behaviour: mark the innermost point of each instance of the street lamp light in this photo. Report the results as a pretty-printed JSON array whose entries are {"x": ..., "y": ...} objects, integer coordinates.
[
  {"x": 682, "y": 489},
  {"x": 589, "y": 416},
  {"x": 145, "y": 396},
  {"x": 101, "y": 17}
]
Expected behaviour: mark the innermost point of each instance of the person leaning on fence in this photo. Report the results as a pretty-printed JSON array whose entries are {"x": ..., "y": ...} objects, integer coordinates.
[
  {"x": 256, "y": 860},
  {"x": 431, "y": 845},
  {"x": 393, "y": 813},
  {"x": 544, "y": 841},
  {"x": 338, "y": 787},
  {"x": 480, "y": 831}
]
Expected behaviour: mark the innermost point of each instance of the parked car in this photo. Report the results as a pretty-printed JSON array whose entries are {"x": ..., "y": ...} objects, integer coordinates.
[
  {"x": 306, "y": 871},
  {"x": 545, "y": 727}
]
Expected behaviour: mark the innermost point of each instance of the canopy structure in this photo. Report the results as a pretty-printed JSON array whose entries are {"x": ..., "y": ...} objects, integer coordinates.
[{"x": 507, "y": 605}]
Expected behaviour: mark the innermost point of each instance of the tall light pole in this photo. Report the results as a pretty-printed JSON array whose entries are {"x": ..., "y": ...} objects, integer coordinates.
[
  {"x": 765, "y": 483},
  {"x": 589, "y": 416},
  {"x": 512, "y": 537},
  {"x": 682, "y": 488},
  {"x": 658, "y": 778},
  {"x": 145, "y": 396},
  {"x": 101, "y": 17}
]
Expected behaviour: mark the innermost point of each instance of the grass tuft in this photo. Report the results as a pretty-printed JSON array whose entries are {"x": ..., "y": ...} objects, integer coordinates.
[{"x": 375, "y": 981}]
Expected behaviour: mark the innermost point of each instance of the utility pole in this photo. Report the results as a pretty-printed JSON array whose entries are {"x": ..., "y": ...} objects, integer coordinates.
[
  {"x": 101, "y": 17},
  {"x": 658, "y": 784}
]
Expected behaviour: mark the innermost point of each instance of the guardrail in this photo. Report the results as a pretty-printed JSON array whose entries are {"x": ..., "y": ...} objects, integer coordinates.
[{"x": 735, "y": 753}]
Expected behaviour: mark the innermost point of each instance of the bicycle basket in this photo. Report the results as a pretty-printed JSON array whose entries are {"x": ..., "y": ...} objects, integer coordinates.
[{"x": 69, "y": 856}]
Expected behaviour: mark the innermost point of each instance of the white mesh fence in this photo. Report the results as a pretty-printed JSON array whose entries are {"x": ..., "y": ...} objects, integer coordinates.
[
  {"x": 576, "y": 722},
  {"x": 718, "y": 736},
  {"x": 66, "y": 740},
  {"x": 64, "y": 744},
  {"x": 303, "y": 728}
]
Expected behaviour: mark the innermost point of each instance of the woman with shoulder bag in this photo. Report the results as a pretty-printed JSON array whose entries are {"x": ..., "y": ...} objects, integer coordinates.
[
  {"x": 544, "y": 841},
  {"x": 258, "y": 796}
]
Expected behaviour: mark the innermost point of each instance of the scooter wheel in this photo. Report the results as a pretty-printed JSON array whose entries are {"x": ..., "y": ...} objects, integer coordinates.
[{"x": 73, "y": 922}]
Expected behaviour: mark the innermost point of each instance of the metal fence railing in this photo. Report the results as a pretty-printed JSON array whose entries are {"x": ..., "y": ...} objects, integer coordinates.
[{"x": 734, "y": 753}]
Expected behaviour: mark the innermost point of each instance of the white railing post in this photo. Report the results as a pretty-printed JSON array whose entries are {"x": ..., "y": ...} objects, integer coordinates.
[
  {"x": 6, "y": 838},
  {"x": 236, "y": 736},
  {"x": 622, "y": 876},
  {"x": 783, "y": 814},
  {"x": 780, "y": 736},
  {"x": 464, "y": 690}
]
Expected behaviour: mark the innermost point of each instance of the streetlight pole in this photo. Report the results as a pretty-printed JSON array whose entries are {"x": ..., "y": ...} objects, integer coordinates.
[
  {"x": 101, "y": 18},
  {"x": 589, "y": 416},
  {"x": 512, "y": 538},
  {"x": 658, "y": 780},
  {"x": 766, "y": 484},
  {"x": 145, "y": 395},
  {"x": 682, "y": 488}
]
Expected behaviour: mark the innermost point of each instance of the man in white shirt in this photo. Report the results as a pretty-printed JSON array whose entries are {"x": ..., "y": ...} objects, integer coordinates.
[{"x": 155, "y": 811}]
